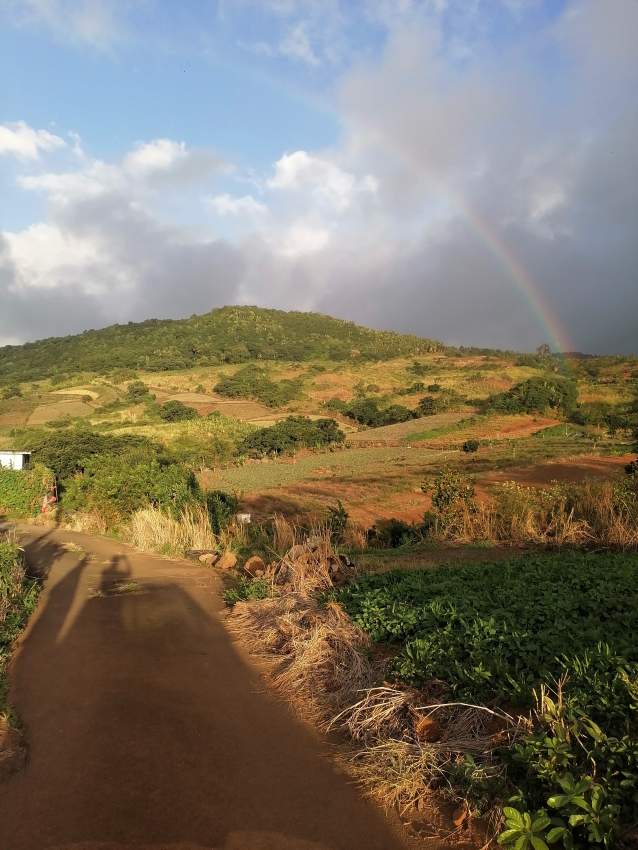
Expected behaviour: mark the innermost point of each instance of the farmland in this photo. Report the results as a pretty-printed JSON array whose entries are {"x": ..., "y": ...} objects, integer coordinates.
[{"x": 551, "y": 632}]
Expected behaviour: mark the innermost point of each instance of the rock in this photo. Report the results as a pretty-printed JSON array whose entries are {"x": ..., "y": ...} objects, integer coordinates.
[
  {"x": 209, "y": 558},
  {"x": 255, "y": 565},
  {"x": 228, "y": 561},
  {"x": 427, "y": 729}
]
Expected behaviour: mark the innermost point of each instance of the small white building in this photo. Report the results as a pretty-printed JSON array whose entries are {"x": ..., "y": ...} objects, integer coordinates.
[{"x": 14, "y": 460}]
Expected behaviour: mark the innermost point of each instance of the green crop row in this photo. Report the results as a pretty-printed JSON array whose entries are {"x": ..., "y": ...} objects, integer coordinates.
[{"x": 497, "y": 632}]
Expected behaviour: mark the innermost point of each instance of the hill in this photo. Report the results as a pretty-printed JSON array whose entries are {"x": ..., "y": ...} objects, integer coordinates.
[{"x": 225, "y": 335}]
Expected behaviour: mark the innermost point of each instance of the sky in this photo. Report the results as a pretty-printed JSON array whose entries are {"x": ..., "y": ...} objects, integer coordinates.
[{"x": 465, "y": 170}]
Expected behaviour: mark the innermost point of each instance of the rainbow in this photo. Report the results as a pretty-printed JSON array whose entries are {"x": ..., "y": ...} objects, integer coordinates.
[{"x": 557, "y": 335}]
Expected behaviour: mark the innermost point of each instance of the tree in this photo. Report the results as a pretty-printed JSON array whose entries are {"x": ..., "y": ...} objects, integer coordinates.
[{"x": 175, "y": 411}]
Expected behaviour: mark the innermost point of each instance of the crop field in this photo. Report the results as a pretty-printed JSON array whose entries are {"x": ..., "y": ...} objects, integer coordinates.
[{"x": 495, "y": 634}]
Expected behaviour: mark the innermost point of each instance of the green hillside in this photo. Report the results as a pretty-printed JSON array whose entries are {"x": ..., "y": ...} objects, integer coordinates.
[{"x": 225, "y": 335}]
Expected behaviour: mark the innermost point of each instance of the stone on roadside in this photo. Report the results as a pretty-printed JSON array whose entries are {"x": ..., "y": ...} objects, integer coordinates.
[
  {"x": 228, "y": 561},
  {"x": 209, "y": 558},
  {"x": 255, "y": 565}
]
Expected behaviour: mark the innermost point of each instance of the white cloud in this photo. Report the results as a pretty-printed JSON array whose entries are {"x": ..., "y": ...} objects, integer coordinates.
[
  {"x": 22, "y": 141},
  {"x": 46, "y": 255},
  {"x": 98, "y": 23},
  {"x": 327, "y": 182},
  {"x": 296, "y": 45},
  {"x": 226, "y": 204},
  {"x": 301, "y": 239},
  {"x": 160, "y": 155}
]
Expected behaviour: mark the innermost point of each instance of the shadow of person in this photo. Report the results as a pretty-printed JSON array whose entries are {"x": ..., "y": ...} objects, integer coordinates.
[{"x": 148, "y": 729}]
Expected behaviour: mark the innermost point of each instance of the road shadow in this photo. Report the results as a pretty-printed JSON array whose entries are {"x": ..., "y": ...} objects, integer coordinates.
[{"x": 147, "y": 727}]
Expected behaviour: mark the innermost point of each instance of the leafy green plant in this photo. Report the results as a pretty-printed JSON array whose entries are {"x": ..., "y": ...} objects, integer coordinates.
[
  {"x": 22, "y": 490},
  {"x": 245, "y": 589}
]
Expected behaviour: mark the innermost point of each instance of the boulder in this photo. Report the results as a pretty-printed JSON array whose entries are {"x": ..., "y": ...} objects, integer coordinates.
[
  {"x": 228, "y": 561},
  {"x": 255, "y": 565},
  {"x": 208, "y": 558}
]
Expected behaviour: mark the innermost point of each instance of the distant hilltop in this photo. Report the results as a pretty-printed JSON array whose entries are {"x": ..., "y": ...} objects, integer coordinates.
[{"x": 224, "y": 335}]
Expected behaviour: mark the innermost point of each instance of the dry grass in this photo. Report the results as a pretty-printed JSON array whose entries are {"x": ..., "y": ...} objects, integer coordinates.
[
  {"x": 152, "y": 530},
  {"x": 320, "y": 651},
  {"x": 600, "y": 513},
  {"x": 407, "y": 749},
  {"x": 88, "y": 522}
]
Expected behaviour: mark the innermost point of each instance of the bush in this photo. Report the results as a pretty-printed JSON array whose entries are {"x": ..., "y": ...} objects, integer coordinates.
[
  {"x": 22, "y": 490},
  {"x": 221, "y": 507},
  {"x": 65, "y": 453},
  {"x": 535, "y": 395},
  {"x": 337, "y": 520},
  {"x": 290, "y": 434},
  {"x": 137, "y": 391},
  {"x": 18, "y": 595},
  {"x": 253, "y": 382},
  {"x": 175, "y": 411},
  {"x": 390, "y": 533},
  {"x": 471, "y": 446},
  {"x": 115, "y": 486},
  {"x": 11, "y": 392},
  {"x": 366, "y": 411}
]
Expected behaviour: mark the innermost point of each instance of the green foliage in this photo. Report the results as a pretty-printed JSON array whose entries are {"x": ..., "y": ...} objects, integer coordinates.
[
  {"x": 227, "y": 335},
  {"x": 392, "y": 533},
  {"x": 452, "y": 494},
  {"x": 115, "y": 486},
  {"x": 176, "y": 411},
  {"x": 18, "y": 595},
  {"x": 22, "y": 490},
  {"x": 535, "y": 395},
  {"x": 443, "y": 400},
  {"x": 244, "y": 589},
  {"x": 290, "y": 434},
  {"x": 253, "y": 382},
  {"x": 366, "y": 411},
  {"x": 11, "y": 392},
  {"x": 221, "y": 507},
  {"x": 65, "y": 453},
  {"x": 337, "y": 520},
  {"x": 506, "y": 633},
  {"x": 137, "y": 391}
]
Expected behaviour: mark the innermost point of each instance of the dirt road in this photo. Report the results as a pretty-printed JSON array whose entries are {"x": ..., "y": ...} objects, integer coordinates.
[{"x": 148, "y": 729}]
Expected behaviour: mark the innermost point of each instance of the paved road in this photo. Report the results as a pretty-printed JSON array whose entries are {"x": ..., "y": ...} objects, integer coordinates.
[{"x": 148, "y": 729}]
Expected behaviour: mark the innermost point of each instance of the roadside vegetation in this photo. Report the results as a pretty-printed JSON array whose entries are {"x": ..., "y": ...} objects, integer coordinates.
[{"x": 18, "y": 595}]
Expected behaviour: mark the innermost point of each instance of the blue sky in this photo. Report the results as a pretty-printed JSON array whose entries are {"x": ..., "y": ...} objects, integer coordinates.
[{"x": 161, "y": 158}]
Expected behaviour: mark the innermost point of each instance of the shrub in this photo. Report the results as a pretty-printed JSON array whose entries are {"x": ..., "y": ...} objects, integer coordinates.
[
  {"x": 452, "y": 497},
  {"x": 221, "y": 507},
  {"x": 253, "y": 382},
  {"x": 367, "y": 412},
  {"x": 65, "y": 453},
  {"x": 290, "y": 434},
  {"x": 137, "y": 391},
  {"x": 176, "y": 411},
  {"x": 535, "y": 395},
  {"x": 18, "y": 595},
  {"x": 337, "y": 520},
  {"x": 471, "y": 446},
  {"x": 115, "y": 486},
  {"x": 11, "y": 392},
  {"x": 390, "y": 533},
  {"x": 22, "y": 490}
]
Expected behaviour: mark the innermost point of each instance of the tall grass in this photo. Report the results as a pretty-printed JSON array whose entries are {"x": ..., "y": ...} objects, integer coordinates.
[
  {"x": 152, "y": 529},
  {"x": 590, "y": 514}
]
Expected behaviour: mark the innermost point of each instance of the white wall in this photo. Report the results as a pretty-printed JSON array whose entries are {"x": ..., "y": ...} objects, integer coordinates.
[{"x": 13, "y": 460}]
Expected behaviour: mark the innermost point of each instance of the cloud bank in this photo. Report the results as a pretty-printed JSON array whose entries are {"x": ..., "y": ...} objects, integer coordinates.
[{"x": 473, "y": 197}]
